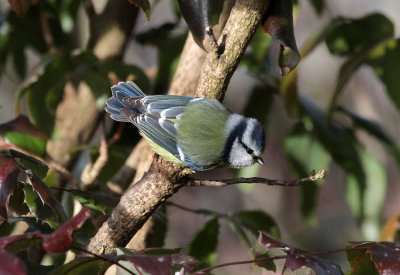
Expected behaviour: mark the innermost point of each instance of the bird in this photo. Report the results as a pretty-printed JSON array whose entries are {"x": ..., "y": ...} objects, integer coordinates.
[{"x": 195, "y": 132}]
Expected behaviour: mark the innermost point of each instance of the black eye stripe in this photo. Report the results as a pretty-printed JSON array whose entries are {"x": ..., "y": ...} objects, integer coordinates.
[{"x": 248, "y": 150}]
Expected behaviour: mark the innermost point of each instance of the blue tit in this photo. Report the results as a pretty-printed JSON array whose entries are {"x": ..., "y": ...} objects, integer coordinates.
[{"x": 199, "y": 133}]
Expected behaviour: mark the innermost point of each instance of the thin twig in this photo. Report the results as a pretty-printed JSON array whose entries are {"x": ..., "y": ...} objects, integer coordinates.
[
  {"x": 92, "y": 171},
  {"x": 290, "y": 183}
]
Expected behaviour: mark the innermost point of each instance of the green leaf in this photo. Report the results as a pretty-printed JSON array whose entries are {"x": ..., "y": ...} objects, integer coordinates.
[
  {"x": 36, "y": 92},
  {"x": 350, "y": 38},
  {"x": 23, "y": 134},
  {"x": 345, "y": 73},
  {"x": 360, "y": 261},
  {"x": 374, "y": 195},
  {"x": 27, "y": 142},
  {"x": 144, "y": 5},
  {"x": 204, "y": 245},
  {"x": 374, "y": 129},
  {"x": 256, "y": 221},
  {"x": 385, "y": 60}
]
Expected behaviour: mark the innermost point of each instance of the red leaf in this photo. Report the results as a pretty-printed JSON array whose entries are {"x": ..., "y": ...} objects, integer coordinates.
[
  {"x": 61, "y": 239},
  {"x": 151, "y": 264},
  {"x": 386, "y": 258},
  {"x": 11, "y": 264},
  {"x": 20, "y": 7},
  {"x": 279, "y": 24},
  {"x": 8, "y": 178}
]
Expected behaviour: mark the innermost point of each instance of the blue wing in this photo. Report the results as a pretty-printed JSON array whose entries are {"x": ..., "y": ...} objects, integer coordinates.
[
  {"x": 154, "y": 115},
  {"x": 119, "y": 92}
]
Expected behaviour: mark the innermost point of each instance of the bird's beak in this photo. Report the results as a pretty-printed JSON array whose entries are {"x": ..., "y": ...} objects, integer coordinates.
[{"x": 260, "y": 160}]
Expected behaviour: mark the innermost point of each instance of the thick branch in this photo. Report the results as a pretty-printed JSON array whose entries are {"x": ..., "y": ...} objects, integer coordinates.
[
  {"x": 225, "y": 182},
  {"x": 219, "y": 66},
  {"x": 137, "y": 204}
]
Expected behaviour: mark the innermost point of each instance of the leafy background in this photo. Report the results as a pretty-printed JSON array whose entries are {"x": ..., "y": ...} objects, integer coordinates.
[{"x": 360, "y": 193}]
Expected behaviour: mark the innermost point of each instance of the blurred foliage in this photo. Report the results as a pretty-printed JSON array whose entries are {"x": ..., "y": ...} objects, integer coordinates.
[{"x": 29, "y": 193}]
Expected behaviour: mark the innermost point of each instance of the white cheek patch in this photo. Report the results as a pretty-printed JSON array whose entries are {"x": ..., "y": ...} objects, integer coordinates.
[{"x": 238, "y": 156}]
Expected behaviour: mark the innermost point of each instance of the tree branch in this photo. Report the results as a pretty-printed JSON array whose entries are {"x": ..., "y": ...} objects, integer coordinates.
[
  {"x": 277, "y": 182},
  {"x": 161, "y": 181}
]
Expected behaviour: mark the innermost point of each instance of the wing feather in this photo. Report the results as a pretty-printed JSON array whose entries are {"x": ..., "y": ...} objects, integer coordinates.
[{"x": 149, "y": 125}]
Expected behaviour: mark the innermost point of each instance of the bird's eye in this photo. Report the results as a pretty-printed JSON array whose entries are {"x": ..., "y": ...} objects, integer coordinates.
[{"x": 249, "y": 151}]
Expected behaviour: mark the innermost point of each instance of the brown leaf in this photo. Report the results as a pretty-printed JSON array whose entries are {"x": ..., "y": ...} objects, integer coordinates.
[{"x": 279, "y": 24}]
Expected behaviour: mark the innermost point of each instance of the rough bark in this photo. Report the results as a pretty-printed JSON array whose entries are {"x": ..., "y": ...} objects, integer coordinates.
[
  {"x": 163, "y": 179},
  {"x": 220, "y": 65}
]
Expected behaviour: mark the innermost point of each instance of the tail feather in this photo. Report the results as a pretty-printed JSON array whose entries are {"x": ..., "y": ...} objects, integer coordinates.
[{"x": 120, "y": 91}]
